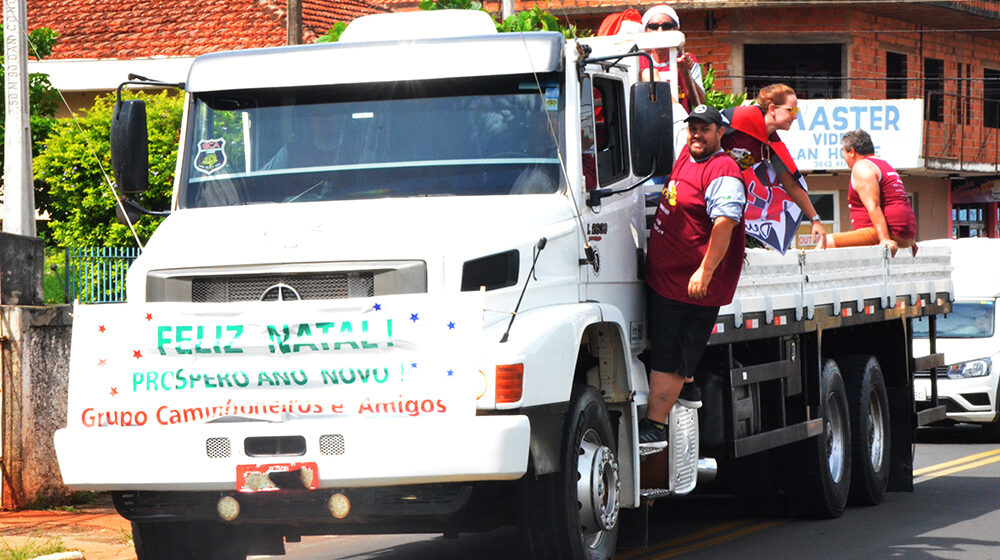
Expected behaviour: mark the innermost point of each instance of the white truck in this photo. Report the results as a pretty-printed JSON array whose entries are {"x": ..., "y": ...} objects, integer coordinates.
[
  {"x": 401, "y": 290},
  {"x": 969, "y": 339}
]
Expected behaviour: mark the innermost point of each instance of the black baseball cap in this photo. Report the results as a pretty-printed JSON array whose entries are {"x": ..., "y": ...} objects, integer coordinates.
[{"x": 706, "y": 113}]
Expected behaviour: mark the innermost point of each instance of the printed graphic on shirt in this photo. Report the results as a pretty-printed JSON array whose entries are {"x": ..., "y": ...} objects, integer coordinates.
[
  {"x": 670, "y": 193},
  {"x": 742, "y": 158}
]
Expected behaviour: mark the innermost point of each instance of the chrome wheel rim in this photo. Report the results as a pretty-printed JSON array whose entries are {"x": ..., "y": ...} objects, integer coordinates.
[
  {"x": 835, "y": 438},
  {"x": 876, "y": 432},
  {"x": 597, "y": 489}
]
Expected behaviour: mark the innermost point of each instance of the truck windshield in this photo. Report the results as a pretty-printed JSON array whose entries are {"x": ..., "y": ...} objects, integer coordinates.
[
  {"x": 966, "y": 320},
  {"x": 474, "y": 136}
]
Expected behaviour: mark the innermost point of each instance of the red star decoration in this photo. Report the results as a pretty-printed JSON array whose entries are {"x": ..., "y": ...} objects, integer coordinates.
[
  {"x": 114, "y": 391},
  {"x": 102, "y": 362},
  {"x": 136, "y": 354},
  {"x": 149, "y": 316},
  {"x": 101, "y": 329}
]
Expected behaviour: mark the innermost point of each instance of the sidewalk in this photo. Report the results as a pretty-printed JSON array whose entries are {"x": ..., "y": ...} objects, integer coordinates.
[{"x": 96, "y": 530}]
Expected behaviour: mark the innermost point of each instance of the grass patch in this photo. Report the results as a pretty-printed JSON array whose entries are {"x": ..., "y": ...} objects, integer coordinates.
[
  {"x": 31, "y": 548},
  {"x": 62, "y": 502},
  {"x": 53, "y": 285},
  {"x": 125, "y": 537}
]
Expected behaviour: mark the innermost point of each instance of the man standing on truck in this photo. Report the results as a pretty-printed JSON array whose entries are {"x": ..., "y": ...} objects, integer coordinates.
[{"x": 696, "y": 249}]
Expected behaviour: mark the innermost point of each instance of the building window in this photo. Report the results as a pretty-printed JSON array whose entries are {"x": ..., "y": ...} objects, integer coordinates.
[
  {"x": 815, "y": 71},
  {"x": 991, "y": 98},
  {"x": 934, "y": 89},
  {"x": 968, "y": 220},
  {"x": 895, "y": 75},
  {"x": 825, "y": 205}
]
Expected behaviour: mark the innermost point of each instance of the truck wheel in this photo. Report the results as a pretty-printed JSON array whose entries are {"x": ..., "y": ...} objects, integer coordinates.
[
  {"x": 823, "y": 463},
  {"x": 870, "y": 428},
  {"x": 188, "y": 540},
  {"x": 573, "y": 514}
]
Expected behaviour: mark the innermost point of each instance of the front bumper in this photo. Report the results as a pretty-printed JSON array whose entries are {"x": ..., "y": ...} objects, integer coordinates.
[
  {"x": 967, "y": 400},
  {"x": 371, "y": 452}
]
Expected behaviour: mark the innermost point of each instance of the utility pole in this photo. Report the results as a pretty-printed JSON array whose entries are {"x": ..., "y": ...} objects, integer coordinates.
[
  {"x": 506, "y": 9},
  {"x": 18, "y": 184},
  {"x": 294, "y": 31}
]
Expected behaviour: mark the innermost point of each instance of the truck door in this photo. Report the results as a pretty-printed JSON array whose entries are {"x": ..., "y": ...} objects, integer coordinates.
[{"x": 616, "y": 228}]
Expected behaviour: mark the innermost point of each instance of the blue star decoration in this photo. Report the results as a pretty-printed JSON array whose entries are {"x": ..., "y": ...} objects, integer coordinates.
[
  {"x": 451, "y": 373},
  {"x": 451, "y": 325},
  {"x": 377, "y": 307},
  {"x": 413, "y": 365},
  {"x": 414, "y": 317}
]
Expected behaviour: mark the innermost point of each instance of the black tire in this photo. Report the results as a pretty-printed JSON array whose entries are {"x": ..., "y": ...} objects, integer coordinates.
[
  {"x": 870, "y": 429},
  {"x": 573, "y": 514},
  {"x": 188, "y": 540},
  {"x": 821, "y": 466}
]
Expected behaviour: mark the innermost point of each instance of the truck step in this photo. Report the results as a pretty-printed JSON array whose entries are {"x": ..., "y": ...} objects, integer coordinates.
[
  {"x": 652, "y": 493},
  {"x": 643, "y": 451}
]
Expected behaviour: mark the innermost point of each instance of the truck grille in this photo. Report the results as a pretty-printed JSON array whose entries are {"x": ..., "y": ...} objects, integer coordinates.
[
  {"x": 320, "y": 285},
  {"x": 287, "y": 281}
]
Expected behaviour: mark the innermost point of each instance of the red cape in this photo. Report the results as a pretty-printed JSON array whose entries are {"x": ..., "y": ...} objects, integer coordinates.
[{"x": 749, "y": 120}]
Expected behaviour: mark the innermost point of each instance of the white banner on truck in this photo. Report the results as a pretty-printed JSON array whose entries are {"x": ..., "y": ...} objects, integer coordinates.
[
  {"x": 166, "y": 364},
  {"x": 895, "y": 125}
]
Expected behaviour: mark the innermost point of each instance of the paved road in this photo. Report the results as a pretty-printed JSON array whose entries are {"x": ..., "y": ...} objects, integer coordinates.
[{"x": 954, "y": 513}]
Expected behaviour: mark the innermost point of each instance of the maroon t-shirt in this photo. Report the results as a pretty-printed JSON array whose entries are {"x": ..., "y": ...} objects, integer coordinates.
[
  {"x": 678, "y": 238},
  {"x": 893, "y": 201}
]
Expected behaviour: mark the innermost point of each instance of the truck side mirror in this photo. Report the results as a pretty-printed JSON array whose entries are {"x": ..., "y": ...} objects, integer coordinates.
[
  {"x": 130, "y": 146},
  {"x": 652, "y": 129}
]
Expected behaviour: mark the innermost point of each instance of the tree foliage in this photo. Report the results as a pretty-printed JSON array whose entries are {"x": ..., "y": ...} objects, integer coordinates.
[
  {"x": 535, "y": 19},
  {"x": 75, "y": 168},
  {"x": 43, "y": 100},
  {"x": 718, "y": 99},
  {"x": 333, "y": 35},
  {"x": 450, "y": 5}
]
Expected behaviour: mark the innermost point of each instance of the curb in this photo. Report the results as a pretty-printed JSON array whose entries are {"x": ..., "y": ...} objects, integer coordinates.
[{"x": 73, "y": 555}]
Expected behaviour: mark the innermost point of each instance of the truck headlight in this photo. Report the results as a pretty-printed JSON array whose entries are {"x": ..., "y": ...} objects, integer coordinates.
[{"x": 972, "y": 368}]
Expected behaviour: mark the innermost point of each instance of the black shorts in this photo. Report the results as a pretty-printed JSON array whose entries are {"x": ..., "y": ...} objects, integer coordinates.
[{"x": 678, "y": 333}]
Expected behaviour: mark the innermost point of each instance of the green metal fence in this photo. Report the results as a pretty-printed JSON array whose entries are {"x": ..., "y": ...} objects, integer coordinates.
[{"x": 97, "y": 274}]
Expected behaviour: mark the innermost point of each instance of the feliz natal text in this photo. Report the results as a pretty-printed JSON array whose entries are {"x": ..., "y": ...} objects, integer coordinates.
[{"x": 283, "y": 339}]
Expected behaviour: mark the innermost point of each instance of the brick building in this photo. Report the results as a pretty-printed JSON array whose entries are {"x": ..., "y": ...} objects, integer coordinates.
[{"x": 944, "y": 54}]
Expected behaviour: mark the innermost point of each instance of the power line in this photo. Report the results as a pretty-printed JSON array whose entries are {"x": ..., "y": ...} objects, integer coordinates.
[
  {"x": 846, "y": 78},
  {"x": 715, "y": 32}
]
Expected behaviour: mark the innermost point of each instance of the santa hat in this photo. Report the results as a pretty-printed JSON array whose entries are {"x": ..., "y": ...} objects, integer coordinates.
[
  {"x": 661, "y": 9},
  {"x": 629, "y": 21}
]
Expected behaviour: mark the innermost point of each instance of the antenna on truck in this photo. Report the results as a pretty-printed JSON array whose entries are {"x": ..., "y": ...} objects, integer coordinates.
[{"x": 531, "y": 274}]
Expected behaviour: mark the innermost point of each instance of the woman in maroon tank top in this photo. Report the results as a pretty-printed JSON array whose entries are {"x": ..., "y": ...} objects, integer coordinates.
[{"x": 880, "y": 209}]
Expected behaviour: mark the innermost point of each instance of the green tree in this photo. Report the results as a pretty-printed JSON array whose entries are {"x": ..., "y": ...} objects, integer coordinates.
[
  {"x": 333, "y": 35},
  {"x": 76, "y": 159},
  {"x": 718, "y": 99},
  {"x": 535, "y": 19},
  {"x": 450, "y": 5},
  {"x": 43, "y": 100}
]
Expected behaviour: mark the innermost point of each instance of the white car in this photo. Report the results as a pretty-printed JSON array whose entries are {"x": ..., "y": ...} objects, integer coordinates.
[{"x": 969, "y": 337}]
